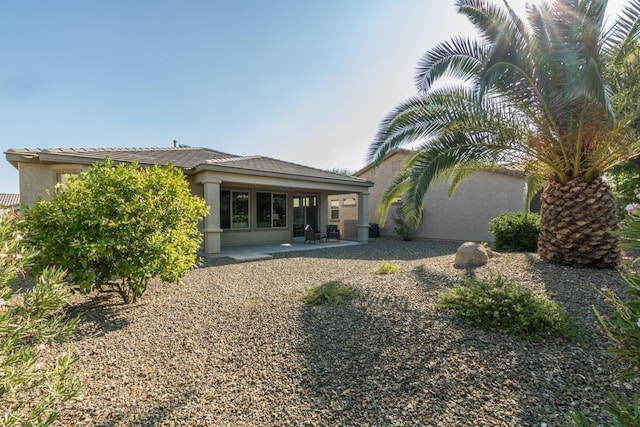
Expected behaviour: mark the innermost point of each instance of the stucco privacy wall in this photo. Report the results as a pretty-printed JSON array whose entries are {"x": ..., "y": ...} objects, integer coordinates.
[
  {"x": 464, "y": 216},
  {"x": 476, "y": 201}
]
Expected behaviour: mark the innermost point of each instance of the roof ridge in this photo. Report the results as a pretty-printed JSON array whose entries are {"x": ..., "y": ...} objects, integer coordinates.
[
  {"x": 311, "y": 167},
  {"x": 93, "y": 149}
]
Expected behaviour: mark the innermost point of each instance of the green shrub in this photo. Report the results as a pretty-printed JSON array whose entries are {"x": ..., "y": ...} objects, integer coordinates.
[
  {"x": 402, "y": 228},
  {"x": 507, "y": 307},
  {"x": 115, "y": 228},
  {"x": 386, "y": 267},
  {"x": 623, "y": 329},
  {"x": 33, "y": 388},
  {"x": 515, "y": 231},
  {"x": 330, "y": 293}
]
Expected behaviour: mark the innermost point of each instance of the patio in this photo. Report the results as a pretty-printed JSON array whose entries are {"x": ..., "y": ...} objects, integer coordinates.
[{"x": 264, "y": 250}]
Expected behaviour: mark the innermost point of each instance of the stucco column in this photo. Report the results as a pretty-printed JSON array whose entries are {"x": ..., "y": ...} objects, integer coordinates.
[
  {"x": 363, "y": 217},
  {"x": 212, "y": 228}
]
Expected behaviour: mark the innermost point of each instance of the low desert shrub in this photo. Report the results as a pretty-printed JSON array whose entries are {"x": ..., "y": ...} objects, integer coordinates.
[
  {"x": 33, "y": 385},
  {"x": 402, "y": 227},
  {"x": 386, "y": 267},
  {"x": 330, "y": 293},
  {"x": 507, "y": 307},
  {"x": 515, "y": 231},
  {"x": 623, "y": 329}
]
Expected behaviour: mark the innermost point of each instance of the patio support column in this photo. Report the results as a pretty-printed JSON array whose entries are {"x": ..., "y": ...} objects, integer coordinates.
[
  {"x": 212, "y": 228},
  {"x": 363, "y": 217}
]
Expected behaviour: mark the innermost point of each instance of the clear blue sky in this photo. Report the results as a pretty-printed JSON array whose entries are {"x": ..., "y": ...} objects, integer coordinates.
[{"x": 298, "y": 80}]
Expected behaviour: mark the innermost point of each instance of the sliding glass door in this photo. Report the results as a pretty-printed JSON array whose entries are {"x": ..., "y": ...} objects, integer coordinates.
[{"x": 305, "y": 212}]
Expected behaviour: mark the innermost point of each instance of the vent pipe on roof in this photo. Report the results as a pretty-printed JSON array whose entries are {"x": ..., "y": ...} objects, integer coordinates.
[{"x": 175, "y": 143}]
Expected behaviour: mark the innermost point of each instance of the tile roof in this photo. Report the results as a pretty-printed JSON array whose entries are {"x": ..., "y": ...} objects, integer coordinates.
[
  {"x": 9, "y": 199},
  {"x": 186, "y": 158},
  {"x": 267, "y": 164}
]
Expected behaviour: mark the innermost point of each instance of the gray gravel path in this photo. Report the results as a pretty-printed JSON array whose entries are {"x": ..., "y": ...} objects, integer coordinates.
[{"x": 235, "y": 346}]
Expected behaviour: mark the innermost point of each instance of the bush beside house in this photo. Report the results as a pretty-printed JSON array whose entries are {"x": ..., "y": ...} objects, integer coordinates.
[{"x": 114, "y": 228}]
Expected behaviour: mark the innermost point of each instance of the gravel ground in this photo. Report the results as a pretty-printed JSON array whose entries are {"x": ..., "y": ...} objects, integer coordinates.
[{"x": 235, "y": 346}]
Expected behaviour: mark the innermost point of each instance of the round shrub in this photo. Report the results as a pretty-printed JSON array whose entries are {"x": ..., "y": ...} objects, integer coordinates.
[
  {"x": 507, "y": 307},
  {"x": 515, "y": 231},
  {"x": 114, "y": 228}
]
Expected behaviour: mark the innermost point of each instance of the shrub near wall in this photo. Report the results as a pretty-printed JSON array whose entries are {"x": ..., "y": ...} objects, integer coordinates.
[
  {"x": 515, "y": 231},
  {"x": 116, "y": 227}
]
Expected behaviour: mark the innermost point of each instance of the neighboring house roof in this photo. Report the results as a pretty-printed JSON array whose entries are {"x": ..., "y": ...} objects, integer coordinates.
[
  {"x": 511, "y": 170},
  {"x": 9, "y": 199},
  {"x": 190, "y": 159},
  {"x": 370, "y": 166}
]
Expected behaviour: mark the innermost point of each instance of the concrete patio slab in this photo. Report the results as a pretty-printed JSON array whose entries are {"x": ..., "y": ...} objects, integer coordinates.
[{"x": 264, "y": 251}]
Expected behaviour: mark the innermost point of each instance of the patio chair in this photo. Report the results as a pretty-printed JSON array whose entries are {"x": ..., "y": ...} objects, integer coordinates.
[
  {"x": 333, "y": 232},
  {"x": 312, "y": 235}
]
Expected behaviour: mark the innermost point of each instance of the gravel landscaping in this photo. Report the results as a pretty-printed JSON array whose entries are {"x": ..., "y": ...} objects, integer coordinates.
[{"x": 235, "y": 346}]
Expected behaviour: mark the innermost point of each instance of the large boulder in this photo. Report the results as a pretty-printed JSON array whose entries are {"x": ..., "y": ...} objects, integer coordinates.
[{"x": 471, "y": 254}]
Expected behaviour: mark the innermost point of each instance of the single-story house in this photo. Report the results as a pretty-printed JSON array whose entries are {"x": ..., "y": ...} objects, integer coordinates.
[
  {"x": 464, "y": 216},
  {"x": 252, "y": 199}
]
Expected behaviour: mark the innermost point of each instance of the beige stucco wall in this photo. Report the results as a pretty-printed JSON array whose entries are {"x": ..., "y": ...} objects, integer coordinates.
[
  {"x": 476, "y": 201},
  {"x": 348, "y": 215},
  {"x": 38, "y": 180},
  {"x": 464, "y": 216},
  {"x": 382, "y": 176}
]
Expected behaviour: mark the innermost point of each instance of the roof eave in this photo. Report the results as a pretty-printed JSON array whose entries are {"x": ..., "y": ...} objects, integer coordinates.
[{"x": 230, "y": 169}]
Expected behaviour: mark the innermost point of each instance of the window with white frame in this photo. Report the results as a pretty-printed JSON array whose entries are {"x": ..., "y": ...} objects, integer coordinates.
[
  {"x": 335, "y": 209},
  {"x": 349, "y": 201}
]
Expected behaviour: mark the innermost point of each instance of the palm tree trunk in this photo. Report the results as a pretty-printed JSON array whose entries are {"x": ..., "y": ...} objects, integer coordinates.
[{"x": 575, "y": 220}]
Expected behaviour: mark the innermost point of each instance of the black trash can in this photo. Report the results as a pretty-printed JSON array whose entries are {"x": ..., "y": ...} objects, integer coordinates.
[{"x": 374, "y": 230}]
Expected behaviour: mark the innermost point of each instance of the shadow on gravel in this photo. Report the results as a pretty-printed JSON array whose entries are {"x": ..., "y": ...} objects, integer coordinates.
[
  {"x": 162, "y": 413},
  {"x": 575, "y": 287},
  {"x": 381, "y": 249},
  {"x": 99, "y": 316},
  {"x": 430, "y": 281},
  {"x": 378, "y": 360},
  {"x": 364, "y": 366}
]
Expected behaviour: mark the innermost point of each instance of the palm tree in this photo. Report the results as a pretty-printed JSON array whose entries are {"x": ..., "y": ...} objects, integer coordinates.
[{"x": 529, "y": 94}]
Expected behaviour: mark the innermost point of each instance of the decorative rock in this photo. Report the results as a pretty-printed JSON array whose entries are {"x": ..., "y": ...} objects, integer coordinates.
[
  {"x": 492, "y": 254},
  {"x": 471, "y": 254}
]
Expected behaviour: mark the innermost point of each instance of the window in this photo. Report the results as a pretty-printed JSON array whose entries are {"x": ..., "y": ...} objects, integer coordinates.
[
  {"x": 335, "y": 209},
  {"x": 271, "y": 210},
  {"x": 234, "y": 209},
  {"x": 396, "y": 165},
  {"x": 349, "y": 201},
  {"x": 62, "y": 179}
]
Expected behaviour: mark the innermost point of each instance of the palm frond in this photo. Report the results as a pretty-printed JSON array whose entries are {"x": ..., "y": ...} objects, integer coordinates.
[
  {"x": 532, "y": 185},
  {"x": 398, "y": 186},
  {"x": 460, "y": 58},
  {"x": 488, "y": 18},
  {"x": 404, "y": 124},
  {"x": 538, "y": 94},
  {"x": 624, "y": 31},
  {"x": 463, "y": 171}
]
